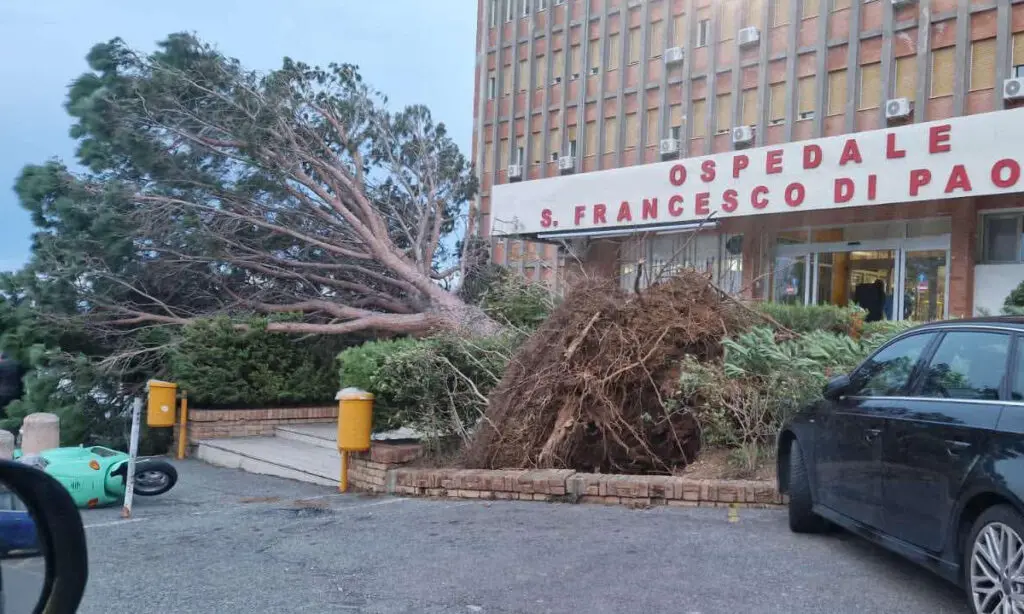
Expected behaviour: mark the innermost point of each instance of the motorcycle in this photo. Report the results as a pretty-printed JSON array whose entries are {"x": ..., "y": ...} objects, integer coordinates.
[{"x": 97, "y": 476}]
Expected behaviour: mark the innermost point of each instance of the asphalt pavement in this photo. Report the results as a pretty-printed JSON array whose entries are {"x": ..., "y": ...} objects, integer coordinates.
[{"x": 227, "y": 541}]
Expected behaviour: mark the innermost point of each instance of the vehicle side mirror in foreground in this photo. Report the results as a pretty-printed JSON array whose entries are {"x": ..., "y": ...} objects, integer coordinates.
[
  {"x": 43, "y": 557},
  {"x": 837, "y": 387}
]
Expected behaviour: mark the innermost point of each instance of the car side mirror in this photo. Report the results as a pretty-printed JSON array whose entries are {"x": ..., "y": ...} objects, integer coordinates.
[
  {"x": 43, "y": 557},
  {"x": 837, "y": 387}
]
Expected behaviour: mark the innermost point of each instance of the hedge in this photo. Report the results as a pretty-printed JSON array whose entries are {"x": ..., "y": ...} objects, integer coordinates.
[
  {"x": 436, "y": 385},
  {"x": 223, "y": 367}
]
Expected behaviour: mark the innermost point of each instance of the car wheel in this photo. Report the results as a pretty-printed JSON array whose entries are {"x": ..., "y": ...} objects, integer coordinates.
[
  {"x": 993, "y": 561},
  {"x": 801, "y": 517}
]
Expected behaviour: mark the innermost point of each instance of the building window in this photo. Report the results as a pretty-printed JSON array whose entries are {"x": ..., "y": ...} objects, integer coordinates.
[
  {"x": 780, "y": 12},
  {"x": 594, "y": 55},
  {"x": 652, "y": 134},
  {"x": 700, "y": 115},
  {"x": 542, "y": 5},
  {"x": 488, "y": 158},
  {"x": 870, "y": 86},
  {"x": 575, "y": 61},
  {"x": 838, "y": 5},
  {"x": 521, "y": 81},
  {"x": 554, "y": 144},
  {"x": 571, "y": 134},
  {"x": 727, "y": 25},
  {"x": 806, "y": 97},
  {"x": 632, "y": 131},
  {"x": 942, "y": 72},
  {"x": 675, "y": 121},
  {"x": 755, "y": 10},
  {"x": 810, "y": 8},
  {"x": 520, "y": 151},
  {"x": 503, "y": 154},
  {"x": 557, "y": 66},
  {"x": 614, "y": 51},
  {"x": 509, "y": 9},
  {"x": 540, "y": 72},
  {"x": 526, "y": 7},
  {"x": 493, "y": 11},
  {"x": 678, "y": 30},
  {"x": 777, "y": 103},
  {"x": 983, "y": 64},
  {"x": 703, "y": 32},
  {"x": 536, "y": 147},
  {"x": 837, "y": 92},
  {"x": 492, "y": 86},
  {"x": 506, "y": 81},
  {"x": 611, "y": 134},
  {"x": 723, "y": 113},
  {"x": 1002, "y": 238},
  {"x": 591, "y": 145},
  {"x": 1017, "y": 63},
  {"x": 572, "y": 147},
  {"x": 656, "y": 39},
  {"x": 634, "y": 46},
  {"x": 905, "y": 77},
  {"x": 748, "y": 107}
]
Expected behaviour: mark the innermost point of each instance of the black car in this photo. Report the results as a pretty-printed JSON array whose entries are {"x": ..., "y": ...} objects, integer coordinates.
[{"x": 921, "y": 449}]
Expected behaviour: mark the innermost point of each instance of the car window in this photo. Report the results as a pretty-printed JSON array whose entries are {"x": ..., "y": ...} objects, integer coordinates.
[
  {"x": 886, "y": 373},
  {"x": 967, "y": 365},
  {"x": 1017, "y": 394}
]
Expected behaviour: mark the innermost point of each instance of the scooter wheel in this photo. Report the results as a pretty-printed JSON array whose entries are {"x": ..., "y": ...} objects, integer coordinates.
[{"x": 154, "y": 478}]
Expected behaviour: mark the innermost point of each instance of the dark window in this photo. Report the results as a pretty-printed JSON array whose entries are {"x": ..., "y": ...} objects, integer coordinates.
[
  {"x": 967, "y": 365},
  {"x": 886, "y": 373}
]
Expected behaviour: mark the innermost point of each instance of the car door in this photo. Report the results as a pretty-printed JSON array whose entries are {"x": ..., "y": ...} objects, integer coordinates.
[
  {"x": 932, "y": 443},
  {"x": 848, "y": 454}
]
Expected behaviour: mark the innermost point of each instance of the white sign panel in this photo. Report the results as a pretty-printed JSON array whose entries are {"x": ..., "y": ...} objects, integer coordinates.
[{"x": 964, "y": 156}]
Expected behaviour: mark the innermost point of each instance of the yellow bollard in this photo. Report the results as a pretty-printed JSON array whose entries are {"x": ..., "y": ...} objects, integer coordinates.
[
  {"x": 355, "y": 425},
  {"x": 183, "y": 426}
]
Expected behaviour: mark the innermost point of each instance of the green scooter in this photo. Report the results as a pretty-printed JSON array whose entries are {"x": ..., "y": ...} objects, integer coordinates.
[{"x": 96, "y": 476}]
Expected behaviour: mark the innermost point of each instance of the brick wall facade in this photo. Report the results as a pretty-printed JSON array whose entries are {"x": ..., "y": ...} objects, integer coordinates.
[{"x": 222, "y": 423}]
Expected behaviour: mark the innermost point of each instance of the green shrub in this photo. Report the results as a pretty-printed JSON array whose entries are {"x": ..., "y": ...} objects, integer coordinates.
[
  {"x": 512, "y": 299},
  {"x": 807, "y": 318},
  {"x": 224, "y": 367},
  {"x": 437, "y": 385},
  {"x": 1015, "y": 298},
  {"x": 360, "y": 366}
]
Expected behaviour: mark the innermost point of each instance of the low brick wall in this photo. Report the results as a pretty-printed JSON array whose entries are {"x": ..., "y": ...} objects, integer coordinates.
[
  {"x": 380, "y": 471},
  {"x": 220, "y": 423},
  {"x": 368, "y": 471}
]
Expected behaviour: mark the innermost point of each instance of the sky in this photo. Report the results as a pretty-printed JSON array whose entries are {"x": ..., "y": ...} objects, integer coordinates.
[{"x": 414, "y": 51}]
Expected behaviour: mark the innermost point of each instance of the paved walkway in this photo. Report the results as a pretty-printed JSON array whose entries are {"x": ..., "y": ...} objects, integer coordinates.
[{"x": 227, "y": 541}]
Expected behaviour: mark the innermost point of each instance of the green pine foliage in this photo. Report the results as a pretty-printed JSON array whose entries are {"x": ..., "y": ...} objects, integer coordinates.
[{"x": 224, "y": 367}]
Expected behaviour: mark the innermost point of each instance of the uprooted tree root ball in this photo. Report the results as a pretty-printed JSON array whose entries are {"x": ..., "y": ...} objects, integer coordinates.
[{"x": 590, "y": 389}]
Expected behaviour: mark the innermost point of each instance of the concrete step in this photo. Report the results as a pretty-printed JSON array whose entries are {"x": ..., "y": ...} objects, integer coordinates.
[
  {"x": 320, "y": 435},
  {"x": 281, "y": 457}
]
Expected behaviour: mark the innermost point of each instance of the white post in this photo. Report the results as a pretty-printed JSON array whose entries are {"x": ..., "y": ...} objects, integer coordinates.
[{"x": 133, "y": 451}]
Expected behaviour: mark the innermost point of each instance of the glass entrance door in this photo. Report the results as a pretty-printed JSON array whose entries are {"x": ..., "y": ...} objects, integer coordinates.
[
  {"x": 890, "y": 279},
  {"x": 924, "y": 284}
]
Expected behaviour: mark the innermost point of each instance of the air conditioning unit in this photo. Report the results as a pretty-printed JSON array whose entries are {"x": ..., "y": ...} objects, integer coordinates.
[
  {"x": 515, "y": 171},
  {"x": 748, "y": 36},
  {"x": 595, "y": 69},
  {"x": 898, "y": 3},
  {"x": 897, "y": 108},
  {"x": 742, "y": 135},
  {"x": 673, "y": 55},
  {"x": 567, "y": 164},
  {"x": 668, "y": 147},
  {"x": 1013, "y": 88},
  {"x": 556, "y": 81},
  {"x": 574, "y": 76}
]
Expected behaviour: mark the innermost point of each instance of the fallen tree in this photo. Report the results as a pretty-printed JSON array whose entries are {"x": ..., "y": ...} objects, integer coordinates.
[
  {"x": 590, "y": 389},
  {"x": 213, "y": 190}
]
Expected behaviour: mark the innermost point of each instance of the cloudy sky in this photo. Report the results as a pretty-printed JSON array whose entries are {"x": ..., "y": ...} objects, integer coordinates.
[{"x": 415, "y": 51}]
